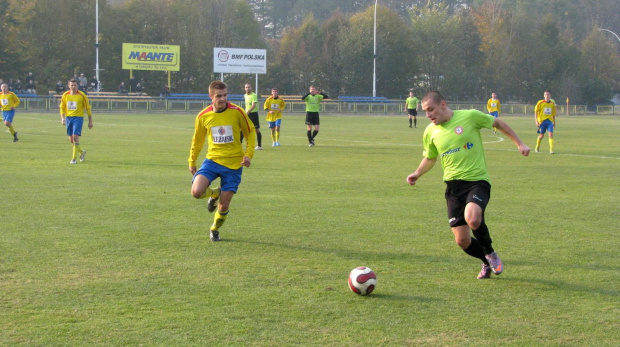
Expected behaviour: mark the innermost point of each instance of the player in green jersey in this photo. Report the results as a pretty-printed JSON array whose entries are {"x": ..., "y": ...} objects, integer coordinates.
[
  {"x": 251, "y": 109},
  {"x": 313, "y": 99},
  {"x": 411, "y": 108},
  {"x": 454, "y": 137}
]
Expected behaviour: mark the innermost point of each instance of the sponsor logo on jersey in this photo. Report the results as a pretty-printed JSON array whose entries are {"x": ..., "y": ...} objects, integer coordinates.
[
  {"x": 452, "y": 151},
  {"x": 458, "y": 130},
  {"x": 223, "y": 134},
  {"x": 468, "y": 145}
]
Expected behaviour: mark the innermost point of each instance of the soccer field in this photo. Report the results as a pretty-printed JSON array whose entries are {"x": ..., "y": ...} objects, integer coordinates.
[{"x": 115, "y": 251}]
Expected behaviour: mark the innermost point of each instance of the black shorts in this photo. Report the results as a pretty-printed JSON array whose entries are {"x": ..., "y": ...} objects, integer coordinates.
[
  {"x": 460, "y": 193},
  {"x": 312, "y": 118},
  {"x": 254, "y": 118},
  {"x": 412, "y": 111}
]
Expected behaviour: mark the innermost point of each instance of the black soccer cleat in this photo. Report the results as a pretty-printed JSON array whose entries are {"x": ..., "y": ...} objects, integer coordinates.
[
  {"x": 215, "y": 235},
  {"x": 212, "y": 203}
]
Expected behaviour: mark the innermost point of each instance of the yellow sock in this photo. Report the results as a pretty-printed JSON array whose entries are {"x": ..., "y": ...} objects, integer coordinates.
[
  {"x": 11, "y": 129},
  {"x": 219, "y": 219},
  {"x": 277, "y": 135},
  {"x": 273, "y": 136},
  {"x": 207, "y": 193},
  {"x": 537, "y": 143},
  {"x": 75, "y": 150},
  {"x": 550, "y": 145}
]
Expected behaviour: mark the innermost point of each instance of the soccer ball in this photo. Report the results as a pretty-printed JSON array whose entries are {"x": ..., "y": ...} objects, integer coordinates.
[{"x": 362, "y": 280}]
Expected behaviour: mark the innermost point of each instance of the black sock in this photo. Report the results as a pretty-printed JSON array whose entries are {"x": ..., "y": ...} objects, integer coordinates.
[
  {"x": 314, "y": 134},
  {"x": 309, "y": 136},
  {"x": 409, "y": 121},
  {"x": 484, "y": 239},
  {"x": 476, "y": 251},
  {"x": 259, "y": 136},
  {"x": 415, "y": 122}
]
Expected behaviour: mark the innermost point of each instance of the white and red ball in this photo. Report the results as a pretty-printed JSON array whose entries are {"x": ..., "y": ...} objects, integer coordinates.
[{"x": 362, "y": 280}]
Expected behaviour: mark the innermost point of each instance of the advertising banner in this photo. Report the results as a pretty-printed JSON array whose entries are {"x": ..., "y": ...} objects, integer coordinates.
[
  {"x": 138, "y": 56},
  {"x": 239, "y": 60}
]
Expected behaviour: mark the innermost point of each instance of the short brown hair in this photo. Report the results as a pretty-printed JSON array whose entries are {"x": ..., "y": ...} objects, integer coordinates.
[
  {"x": 73, "y": 80},
  {"x": 435, "y": 96},
  {"x": 217, "y": 85}
]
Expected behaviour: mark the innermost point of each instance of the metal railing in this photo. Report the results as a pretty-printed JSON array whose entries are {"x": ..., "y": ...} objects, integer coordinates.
[{"x": 148, "y": 105}]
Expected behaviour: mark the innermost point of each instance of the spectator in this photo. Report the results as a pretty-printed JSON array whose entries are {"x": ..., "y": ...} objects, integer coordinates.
[
  {"x": 122, "y": 89},
  {"x": 165, "y": 92},
  {"x": 30, "y": 78},
  {"x": 17, "y": 87},
  {"x": 82, "y": 82},
  {"x": 138, "y": 89},
  {"x": 60, "y": 87},
  {"x": 94, "y": 84},
  {"x": 30, "y": 87},
  {"x": 133, "y": 83}
]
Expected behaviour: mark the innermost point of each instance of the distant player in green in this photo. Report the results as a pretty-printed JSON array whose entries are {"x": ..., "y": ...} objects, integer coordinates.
[
  {"x": 454, "y": 137},
  {"x": 251, "y": 109},
  {"x": 8, "y": 102},
  {"x": 274, "y": 106},
  {"x": 73, "y": 104},
  {"x": 545, "y": 112},
  {"x": 411, "y": 107},
  {"x": 313, "y": 99},
  {"x": 494, "y": 107}
]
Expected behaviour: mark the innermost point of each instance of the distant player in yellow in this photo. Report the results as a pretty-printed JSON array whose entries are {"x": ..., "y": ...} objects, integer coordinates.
[
  {"x": 8, "y": 102},
  {"x": 221, "y": 124},
  {"x": 545, "y": 112},
  {"x": 494, "y": 107},
  {"x": 274, "y": 106},
  {"x": 72, "y": 106},
  {"x": 411, "y": 107}
]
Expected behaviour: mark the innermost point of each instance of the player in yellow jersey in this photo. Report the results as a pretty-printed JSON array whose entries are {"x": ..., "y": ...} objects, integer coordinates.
[
  {"x": 545, "y": 112},
  {"x": 8, "y": 102},
  {"x": 411, "y": 108},
  {"x": 494, "y": 107},
  {"x": 274, "y": 106},
  {"x": 221, "y": 124},
  {"x": 73, "y": 104}
]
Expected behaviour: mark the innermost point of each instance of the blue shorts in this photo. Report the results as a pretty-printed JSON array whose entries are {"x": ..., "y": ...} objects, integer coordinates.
[
  {"x": 230, "y": 179},
  {"x": 74, "y": 125},
  {"x": 275, "y": 124},
  {"x": 7, "y": 116},
  {"x": 545, "y": 126},
  {"x": 494, "y": 114}
]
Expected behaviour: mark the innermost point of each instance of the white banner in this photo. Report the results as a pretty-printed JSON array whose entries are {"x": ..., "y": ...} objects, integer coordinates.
[{"x": 239, "y": 60}]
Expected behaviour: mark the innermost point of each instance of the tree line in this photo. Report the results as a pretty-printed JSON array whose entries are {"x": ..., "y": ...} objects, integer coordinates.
[{"x": 464, "y": 48}]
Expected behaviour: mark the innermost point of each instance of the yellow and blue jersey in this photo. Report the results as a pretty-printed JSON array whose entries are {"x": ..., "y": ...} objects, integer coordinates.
[
  {"x": 8, "y": 101},
  {"x": 222, "y": 131},
  {"x": 545, "y": 110},
  {"x": 275, "y": 105},
  {"x": 74, "y": 105}
]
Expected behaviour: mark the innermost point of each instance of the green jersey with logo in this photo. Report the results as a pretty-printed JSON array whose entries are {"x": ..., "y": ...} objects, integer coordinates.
[
  {"x": 458, "y": 144},
  {"x": 412, "y": 103},
  {"x": 249, "y": 99},
  {"x": 312, "y": 102}
]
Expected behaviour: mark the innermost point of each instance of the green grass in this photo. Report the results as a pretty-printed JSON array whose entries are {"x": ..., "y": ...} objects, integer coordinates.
[{"x": 115, "y": 251}]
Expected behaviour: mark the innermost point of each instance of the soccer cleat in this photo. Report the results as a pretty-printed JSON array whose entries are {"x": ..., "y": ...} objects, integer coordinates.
[
  {"x": 311, "y": 144},
  {"x": 485, "y": 272},
  {"x": 551, "y": 152},
  {"x": 212, "y": 203},
  {"x": 15, "y": 139},
  {"x": 73, "y": 161},
  {"x": 83, "y": 155},
  {"x": 536, "y": 150},
  {"x": 215, "y": 235},
  {"x": 273, "y": 144},
  {"x": 410, "y": 126},
  {"x": 495, "y": 262},
  {"x": 258, "y": 147},
  {"x": 277, "y": 143}
]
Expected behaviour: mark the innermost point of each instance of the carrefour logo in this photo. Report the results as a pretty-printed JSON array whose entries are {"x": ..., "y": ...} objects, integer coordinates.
[
  {"x": 152, "y": 56},
  {"x": 468, "y": 145}
]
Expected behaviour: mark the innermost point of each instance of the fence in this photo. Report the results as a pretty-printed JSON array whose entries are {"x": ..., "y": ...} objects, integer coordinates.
[{"x": 389, "y": 107}]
